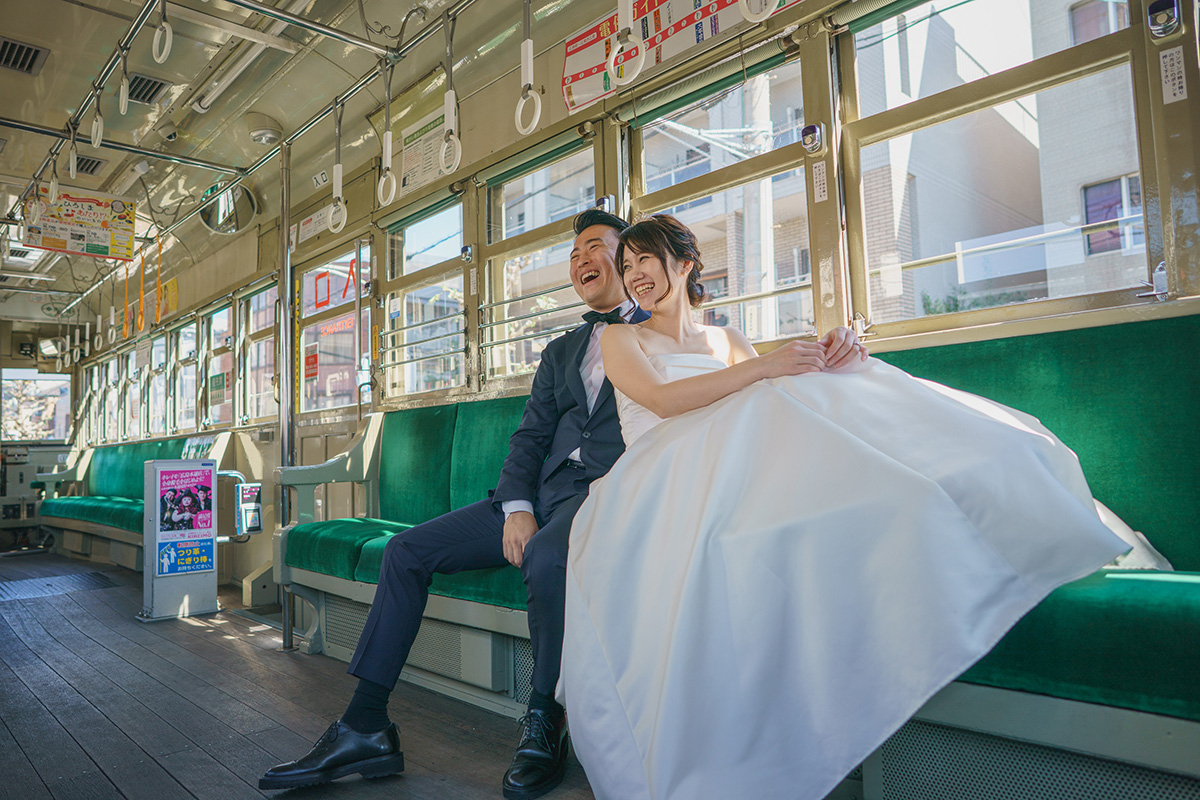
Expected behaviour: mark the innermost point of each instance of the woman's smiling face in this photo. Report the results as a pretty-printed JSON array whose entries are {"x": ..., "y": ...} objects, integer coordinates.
[{"x": 647, "y": 279}]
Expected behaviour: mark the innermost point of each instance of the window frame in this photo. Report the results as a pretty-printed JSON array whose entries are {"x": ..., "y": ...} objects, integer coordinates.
[
  {"x": 176, "y": 365},
  {"x": 245, "y": 339},
  {"x": 207, "y": 352}
]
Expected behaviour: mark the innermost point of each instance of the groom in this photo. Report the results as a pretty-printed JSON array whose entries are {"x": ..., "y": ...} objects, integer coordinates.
[{"x": 568, "y": 437}]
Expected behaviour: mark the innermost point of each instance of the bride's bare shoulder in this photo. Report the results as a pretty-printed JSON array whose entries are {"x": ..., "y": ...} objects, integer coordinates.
[{"x": 729, "y": 343}]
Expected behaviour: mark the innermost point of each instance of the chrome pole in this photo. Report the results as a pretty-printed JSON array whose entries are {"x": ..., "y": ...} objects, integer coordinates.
[
  {"x": 315, "y": 27},
  {"x": 285, "y": 367},
  {"x": 358, "y": 267}
]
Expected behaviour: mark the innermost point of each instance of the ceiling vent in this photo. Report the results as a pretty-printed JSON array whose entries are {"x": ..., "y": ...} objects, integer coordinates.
[
  {"x": 144, "y": 89},
  {"x": 88, "y": 166},
  {"x": 22, "y": 57}
]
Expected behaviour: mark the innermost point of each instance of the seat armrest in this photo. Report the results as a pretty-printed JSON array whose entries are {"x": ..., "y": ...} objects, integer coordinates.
[
  {"x": 355, "y": 464},
  {"x": 53, "y": 479}
]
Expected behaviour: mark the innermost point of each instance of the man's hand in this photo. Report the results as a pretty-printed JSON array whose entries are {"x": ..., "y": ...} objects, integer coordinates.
[
  {"x": 519, "y": 528},
  {"x": 842, "y": 348}
]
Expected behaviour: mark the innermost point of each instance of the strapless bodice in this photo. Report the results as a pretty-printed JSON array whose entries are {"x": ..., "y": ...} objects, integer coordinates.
[{"x": 636, "y": 419}]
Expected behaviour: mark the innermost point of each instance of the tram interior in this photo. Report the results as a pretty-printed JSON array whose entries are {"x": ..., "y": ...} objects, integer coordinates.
[{"x": 332, "y": 245}]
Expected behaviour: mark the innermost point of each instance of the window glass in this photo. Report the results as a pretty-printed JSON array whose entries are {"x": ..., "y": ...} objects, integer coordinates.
[
  {"x": 430, "y": 241},
  {"x": 187, "y": 342},
  {"x": 424, "y": 348},
  {"x": 220, "y": 327},
  {"x": 185, "y": 397},
  {"x": 262, "y": 309},
  {"x": 133, "y": 398},
  {"x": 328, "y": 362},
  {"x": 260, "y": 368},
  {"x": 556, "y": 191},
  {"x": 35, "y": 406},
  {"x": 331, "y": 285},
  {"x": 753, "y": 240},
  {"x": 158, "y": 353},
  {"x": 538, "y": 284},
  {"x": 220, "y": 389},
  {"x": 157, "y": 404},
  {"x": 765, "y": 113},
  {"x": 985, "y": 210},
  {"x": 937, "y": 46},
  {"x": 1095, "y": 18}
]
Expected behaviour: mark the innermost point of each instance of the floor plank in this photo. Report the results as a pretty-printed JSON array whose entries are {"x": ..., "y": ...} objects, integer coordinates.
[{"x": 20, "y": 778}]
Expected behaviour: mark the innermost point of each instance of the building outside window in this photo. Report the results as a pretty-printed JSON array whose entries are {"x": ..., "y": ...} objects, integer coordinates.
[
  {"x": 327, "y": 341},
  {"x": 183, "y": 398},
  {"x": 258, "y": 374},
  {"x": 156, "y": 404},
  {"x": 1118, "y": 202},
  {"x": 133, "y": 397},
  {"x": 1095, "y": 18},
  {"x": 36, "y": 406},
  {"x": 218, "y": 394}
]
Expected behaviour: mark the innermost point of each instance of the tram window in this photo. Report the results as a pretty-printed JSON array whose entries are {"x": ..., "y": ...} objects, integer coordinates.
[
  {"x": 330, "y": 286},
  {"x": 327, "y": 348},
  {"x": 112, "y": 400},
  {"x": 547, "y": 194},
  {"x": 754, "y": 242},
  {"x": 764, "y": 113},
  {"x": 1092, "y": 19},
  {"x": 157, "y": 405},
  {"x": 934, "y": 46},
  {"x": 262, "y": 310},
  {"x": 186, "y": 343},
  {"x": 36, "y": 406},
  {"x": 184, "y": 395},
  {"x": 984, "y": 210},
  {"x": 220, "y": 389},
  {"x": 431, "y": 241},
  {"x": 133, "y": 397},
  {"x": 220, "y": 328},
  {"x": 533, "y": 303},
  {"x": 424, "y": 348},
  {"x": 158, "y": 353}
]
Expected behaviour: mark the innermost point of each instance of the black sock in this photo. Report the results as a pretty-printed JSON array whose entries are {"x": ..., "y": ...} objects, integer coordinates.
[
  {"x": 367, "y": 712},
  {"x": 545, "y": 702}
]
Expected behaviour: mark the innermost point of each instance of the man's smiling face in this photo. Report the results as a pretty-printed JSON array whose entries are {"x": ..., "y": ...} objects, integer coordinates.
[{"x": 594, "y": 270}]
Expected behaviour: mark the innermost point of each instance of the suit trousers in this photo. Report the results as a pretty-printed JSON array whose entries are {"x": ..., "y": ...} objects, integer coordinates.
[{"x": 472, "y": 538}]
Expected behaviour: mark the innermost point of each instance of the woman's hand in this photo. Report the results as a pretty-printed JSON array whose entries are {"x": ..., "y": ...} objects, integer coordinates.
[
  {"x": 842, "y": 348},
  {"x": 793, "y": 358}
]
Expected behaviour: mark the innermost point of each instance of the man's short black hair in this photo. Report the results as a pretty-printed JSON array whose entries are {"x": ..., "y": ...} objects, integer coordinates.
[{"x": 598, "y": 216}]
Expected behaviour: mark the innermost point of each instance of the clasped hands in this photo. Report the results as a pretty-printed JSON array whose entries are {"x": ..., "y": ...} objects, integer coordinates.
[{"x": 837, "y": 349}]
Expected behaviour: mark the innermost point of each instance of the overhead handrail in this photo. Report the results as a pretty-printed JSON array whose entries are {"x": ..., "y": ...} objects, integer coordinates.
[
  {"x": 626, "y": 38},
  {"x": 527, "y": 93},
  {"x": 451, "y": 141}
]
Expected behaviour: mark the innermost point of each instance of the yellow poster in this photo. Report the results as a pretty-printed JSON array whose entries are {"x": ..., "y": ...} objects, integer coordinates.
[
  {"x": 169, "y": 302},
  {"x": 82, "y": 222}
]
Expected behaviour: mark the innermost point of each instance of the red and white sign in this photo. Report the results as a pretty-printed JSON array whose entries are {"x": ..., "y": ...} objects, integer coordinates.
[{"x": 668, "y": 27}]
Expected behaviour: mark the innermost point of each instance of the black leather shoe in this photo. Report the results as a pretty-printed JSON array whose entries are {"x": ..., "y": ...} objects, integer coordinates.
[
  {"x": 340, "y": 752},
  {"x": 541, "y": 757}
]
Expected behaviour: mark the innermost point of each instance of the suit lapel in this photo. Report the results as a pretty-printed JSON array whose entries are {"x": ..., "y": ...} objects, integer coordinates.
[{"x": 576, "y": 348}]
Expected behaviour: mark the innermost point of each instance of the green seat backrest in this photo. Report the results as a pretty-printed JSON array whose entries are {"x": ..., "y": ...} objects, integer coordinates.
[
  {"x": 414, "y": 464},
  {"x": 118, "y": 470},
  {"x": 480, "y": 446},
  {"x": 1123, "y": 397}
]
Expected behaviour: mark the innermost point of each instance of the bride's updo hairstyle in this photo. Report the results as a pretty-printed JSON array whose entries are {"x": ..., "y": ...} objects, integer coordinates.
[{"x": 659, "y": 235}]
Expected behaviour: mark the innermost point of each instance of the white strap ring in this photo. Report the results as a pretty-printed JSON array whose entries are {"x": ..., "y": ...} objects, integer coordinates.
[
  {"x": 123, "y": 96},
  {"x": 162, "y": 42},
  {"x": 338, "y": 203},
  {"x": 767, "y": 10},
  {"x": 627, "y": 39},
  {"x": 455, "y": 146},
  {"x": 526, "y": 96},
  {"x": 388, "y": 179},
  {"x": 97, "y": 127}
]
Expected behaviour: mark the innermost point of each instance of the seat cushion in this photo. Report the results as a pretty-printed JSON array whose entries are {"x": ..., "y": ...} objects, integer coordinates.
[
  {"x": 414, "y": 463},
  {"x": 1119, "y": 638},
  {"x": 119, "y": 470},
  {"x": 117, "y": 512},
  {"x": 333, "y": 547}
]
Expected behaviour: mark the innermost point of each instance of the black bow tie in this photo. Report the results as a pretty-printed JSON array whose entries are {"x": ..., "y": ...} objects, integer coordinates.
[{"x": 611, "y": 317}]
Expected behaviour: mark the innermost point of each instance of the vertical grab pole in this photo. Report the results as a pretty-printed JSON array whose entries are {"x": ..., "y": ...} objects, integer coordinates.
[
  {"x": 285, "y": 367},
  {"x": 358, "y": 267}
]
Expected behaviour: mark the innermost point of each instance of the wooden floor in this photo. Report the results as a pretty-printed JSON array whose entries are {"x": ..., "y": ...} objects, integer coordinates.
[{"x": 94, "y": 704}]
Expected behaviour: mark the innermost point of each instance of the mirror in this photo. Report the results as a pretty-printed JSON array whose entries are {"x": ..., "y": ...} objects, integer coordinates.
[{"x": 232, "y": 212}]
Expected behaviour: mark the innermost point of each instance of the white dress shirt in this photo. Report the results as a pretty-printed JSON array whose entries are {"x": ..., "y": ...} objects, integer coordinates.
[{"x": 591, "y": 370}]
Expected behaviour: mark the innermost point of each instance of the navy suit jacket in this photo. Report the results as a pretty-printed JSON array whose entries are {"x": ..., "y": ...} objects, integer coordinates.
[{"x": 556, "y": 422}]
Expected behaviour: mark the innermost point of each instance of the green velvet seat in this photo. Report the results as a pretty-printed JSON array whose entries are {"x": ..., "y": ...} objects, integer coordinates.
[
  {"x": 333, "y": 547},
  {"x": 116, "y": 512},
  {"x": 1126, "y": 638},
  {"x": 114, "y": 482}
]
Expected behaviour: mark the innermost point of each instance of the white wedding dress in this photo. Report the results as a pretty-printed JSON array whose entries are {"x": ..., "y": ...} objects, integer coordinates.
[{"x": 763, "y": 590}]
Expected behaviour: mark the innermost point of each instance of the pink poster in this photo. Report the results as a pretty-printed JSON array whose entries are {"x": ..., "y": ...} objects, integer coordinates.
[{"x": 185, "y": 503}]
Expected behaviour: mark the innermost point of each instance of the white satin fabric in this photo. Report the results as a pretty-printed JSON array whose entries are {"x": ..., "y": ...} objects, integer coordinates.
[{"x": 763, "y": 590}]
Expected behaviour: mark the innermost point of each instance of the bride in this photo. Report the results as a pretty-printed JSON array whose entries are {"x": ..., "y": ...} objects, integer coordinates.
[{"x": 795, "y": 552}]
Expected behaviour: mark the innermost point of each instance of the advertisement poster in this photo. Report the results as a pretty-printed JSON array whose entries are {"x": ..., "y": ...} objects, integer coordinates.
[
  {"x": 180, "y": 558},
  {"x": 668, "y": 27},
  {"x": 185, "y": 503},
  {"x": 83, "y": 222},
  {"x": 421, "y": 160}
]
